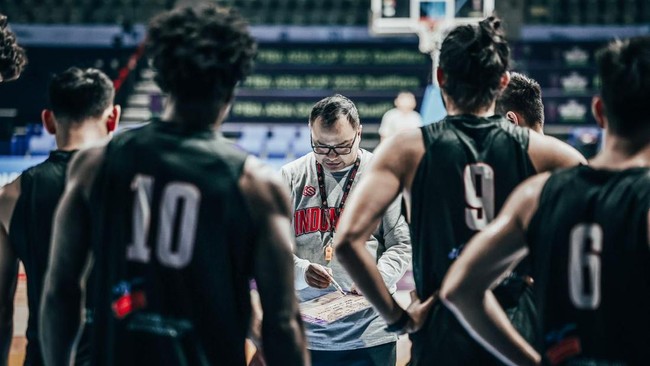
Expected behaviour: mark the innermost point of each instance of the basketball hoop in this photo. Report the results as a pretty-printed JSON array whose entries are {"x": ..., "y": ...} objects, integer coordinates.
[
  {"x": 428, "y": 30},
  {"x": 431, "y": 33}
]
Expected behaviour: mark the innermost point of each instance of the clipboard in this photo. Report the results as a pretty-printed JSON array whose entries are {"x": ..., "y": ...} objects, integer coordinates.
[{"x": 332, "y": 307}]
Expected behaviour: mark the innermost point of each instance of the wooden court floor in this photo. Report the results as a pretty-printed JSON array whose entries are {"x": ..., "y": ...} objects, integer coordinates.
[{"x": 17, "y": 353}]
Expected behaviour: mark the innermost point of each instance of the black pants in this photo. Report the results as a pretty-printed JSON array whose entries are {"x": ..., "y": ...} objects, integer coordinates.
[{"x": 382, "y": 355}]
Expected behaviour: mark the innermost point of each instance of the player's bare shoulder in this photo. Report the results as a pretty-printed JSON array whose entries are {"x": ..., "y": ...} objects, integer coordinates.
[
  {"x": 84, "y": 167},
  {"x": 401, "y": 153},
  {"x": 8, "y": 196},
  {"x": 524, "y": 200},
  {"x": 10, "y": 191},
  {"x": 548, "y": 153},
  {"x": 409, "y": 142},
  {"x": 263, "y": 188}
]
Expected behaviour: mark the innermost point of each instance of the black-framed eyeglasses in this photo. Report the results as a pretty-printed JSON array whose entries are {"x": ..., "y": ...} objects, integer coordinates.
[{"x": 338, "y": 150}]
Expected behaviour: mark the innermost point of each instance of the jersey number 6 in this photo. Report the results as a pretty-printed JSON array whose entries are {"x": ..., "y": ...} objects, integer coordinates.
[
  {"x": 174, "y": 196},
  {"x": 584, "y": 265}
]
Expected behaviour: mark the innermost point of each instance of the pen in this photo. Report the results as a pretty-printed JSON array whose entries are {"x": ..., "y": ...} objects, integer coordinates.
[{"x": 336, "y": 285}]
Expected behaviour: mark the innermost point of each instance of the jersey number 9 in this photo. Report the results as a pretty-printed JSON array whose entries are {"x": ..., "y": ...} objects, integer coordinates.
[{"x": 479, "y": 195}]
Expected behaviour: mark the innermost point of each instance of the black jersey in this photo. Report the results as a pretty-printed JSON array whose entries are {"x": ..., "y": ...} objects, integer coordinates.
[
  {"x": 30, "y": 233},
  {"x": 470, "y": 167},
  {"x": 591, "y": 262},
  {"x": 173, "y": 244}
]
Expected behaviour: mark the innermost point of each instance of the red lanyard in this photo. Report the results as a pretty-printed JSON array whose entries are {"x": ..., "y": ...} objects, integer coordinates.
[{"x": 346, "y": 191}]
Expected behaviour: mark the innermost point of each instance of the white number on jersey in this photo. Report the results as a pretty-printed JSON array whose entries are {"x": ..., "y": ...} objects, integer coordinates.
[
  {"x": 584, "y": 265},
  {"x": 176, "y": 196},
  {"x": 479, "y": 195},
  {"x": 648, "y": 229}
]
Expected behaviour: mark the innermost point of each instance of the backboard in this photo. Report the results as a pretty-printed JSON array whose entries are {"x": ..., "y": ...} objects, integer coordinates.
[
  {"x": 396, "y": 17},
  {"x": 391, "y": 17},
  {"x": 468, "y": 11},
  {"x": 430, "y": 20}
]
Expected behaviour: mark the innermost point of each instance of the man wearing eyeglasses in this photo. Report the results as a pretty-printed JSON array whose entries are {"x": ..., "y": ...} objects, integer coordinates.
[{"x": 320, "y": 183}]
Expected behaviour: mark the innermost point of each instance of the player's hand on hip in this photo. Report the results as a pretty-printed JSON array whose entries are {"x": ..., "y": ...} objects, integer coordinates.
[
  {"x": 419, "y": 311},
  {"x": 318, "y": 276}
]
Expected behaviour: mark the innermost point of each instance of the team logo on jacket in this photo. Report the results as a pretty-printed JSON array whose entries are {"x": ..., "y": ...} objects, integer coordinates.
[{"x": 309, "y": 191}]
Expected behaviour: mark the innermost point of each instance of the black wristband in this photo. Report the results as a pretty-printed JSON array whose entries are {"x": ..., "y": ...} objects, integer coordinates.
[{"x": 400, "y": 324}]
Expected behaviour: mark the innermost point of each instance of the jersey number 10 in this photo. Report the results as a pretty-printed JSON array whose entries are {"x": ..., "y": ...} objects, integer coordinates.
[
  {"x": 479, "y": 195},
  {"x": 173, "y": 194}
]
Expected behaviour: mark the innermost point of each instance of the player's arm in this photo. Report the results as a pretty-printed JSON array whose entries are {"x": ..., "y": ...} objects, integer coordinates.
[
  {"x": 60, "y": 313},
  {"x": 8, "y": 268},
  {"x": 548, "y": 153},
  {"x": 395, "y": 260},
  {"x": 392, "y": 168},
  {"x": 466, "y": 289},
  {"x": 282, "y": 333}
]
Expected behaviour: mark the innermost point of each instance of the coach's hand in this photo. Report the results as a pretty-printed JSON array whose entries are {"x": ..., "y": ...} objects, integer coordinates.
[
  {"x": 318, "y": 276},
  {"x": 355, "y": 290}
]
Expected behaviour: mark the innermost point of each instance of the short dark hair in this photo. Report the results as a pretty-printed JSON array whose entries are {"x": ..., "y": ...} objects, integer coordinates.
[
  {"x": 200, "y": 52},
  {"x": 331, "y": 109},
  {"x": 78, "y": 94},
  {"x": 624, "y": 71},
  {"x": 473, "y": 58},
  {"x": 524, "y": 96},
  {"x": 12, "y": 56}
]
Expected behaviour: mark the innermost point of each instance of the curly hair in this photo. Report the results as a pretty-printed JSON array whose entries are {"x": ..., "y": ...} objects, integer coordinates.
[
  {"x": 78, "y": 94},
  {"x": 12, "y": 56},
  {"x": 200, "y": 52},
  {"x": 524, "y": 96},
  {"x": 473, "y": 58}
]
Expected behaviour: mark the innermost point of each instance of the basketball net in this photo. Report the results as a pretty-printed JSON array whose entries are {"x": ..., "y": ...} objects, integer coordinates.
[{"x": 430, "y": 33}]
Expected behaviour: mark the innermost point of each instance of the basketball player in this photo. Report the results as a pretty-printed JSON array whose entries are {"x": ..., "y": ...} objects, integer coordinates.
[
  {"x": 178, "y": 220},
  {"x": 12, "y": 56},
  {"x": 320, "y": 183},
  {"x": 81, "y": 113},
  {"x": 521, "y": 103},
  {"x": 455, "y": 175},
  {"x": 586, "y": 229}
]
